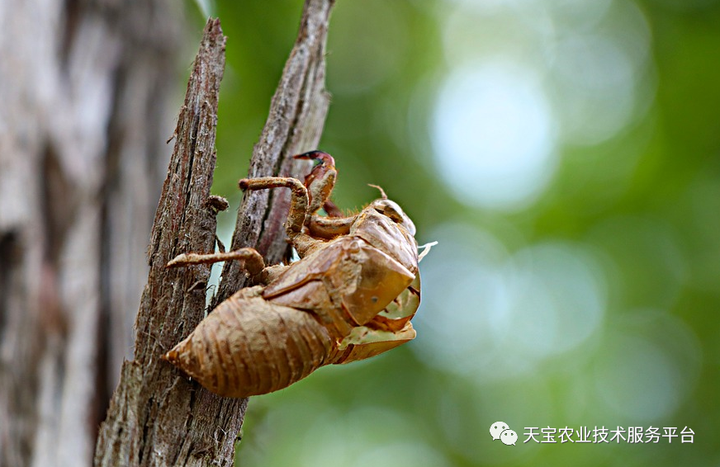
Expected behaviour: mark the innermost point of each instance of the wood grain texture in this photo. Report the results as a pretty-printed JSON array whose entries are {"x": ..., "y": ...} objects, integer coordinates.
[
  {"x": 157, "y": 416},
  {"x": 294, "y": 125}
]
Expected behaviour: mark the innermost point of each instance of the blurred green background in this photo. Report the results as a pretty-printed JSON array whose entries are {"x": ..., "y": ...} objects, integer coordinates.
[{"x": 566, "y": 155}]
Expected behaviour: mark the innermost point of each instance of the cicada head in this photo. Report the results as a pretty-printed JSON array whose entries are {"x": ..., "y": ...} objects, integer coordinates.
[{"x": 385, "y": 226}]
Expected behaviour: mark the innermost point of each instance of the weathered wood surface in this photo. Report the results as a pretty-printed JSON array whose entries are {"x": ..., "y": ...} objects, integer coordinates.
[
  {"x": 294, "y": 125},
  {"x": 158, "y": 417}
]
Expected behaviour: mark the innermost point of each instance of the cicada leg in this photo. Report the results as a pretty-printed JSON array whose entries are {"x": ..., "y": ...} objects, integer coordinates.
[
  {"x": 320, "y": 183},
  {"x": 330, "y": 227},
  {"x": 253, "y": 261},
  {"x": 298, "y": 208},
  {"x": 332, "y": 210},
  {"x": 321, "y": 179},
  {"x": 298, "y": 204}
]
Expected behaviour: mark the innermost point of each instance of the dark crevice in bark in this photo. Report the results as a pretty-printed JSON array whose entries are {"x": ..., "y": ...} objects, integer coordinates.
[
  {"x": 102, "y": 399},
  {"x": 71, "y": 20},
  {"x": 58, "y": 204},
  {"x": 9, "y": 257},
  {"x": 110, "y": 187}
]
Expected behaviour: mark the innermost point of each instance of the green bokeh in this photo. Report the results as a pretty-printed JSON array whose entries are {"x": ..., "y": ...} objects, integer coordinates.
[{"x": 637, "y": 210}]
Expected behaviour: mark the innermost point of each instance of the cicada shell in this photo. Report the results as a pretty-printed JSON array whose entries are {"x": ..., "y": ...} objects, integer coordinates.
[
  {"x": 249, "y": 346},
  {"x": 351, "y": 296}
]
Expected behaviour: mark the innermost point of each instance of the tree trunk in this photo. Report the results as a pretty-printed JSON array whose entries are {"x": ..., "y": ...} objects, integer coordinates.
[
  {"x": 157, "y": 416},
  {"x": 85, "y": 88}
]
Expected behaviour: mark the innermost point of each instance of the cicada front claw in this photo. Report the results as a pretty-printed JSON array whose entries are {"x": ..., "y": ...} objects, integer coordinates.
[{"x": 321, "y": 179}]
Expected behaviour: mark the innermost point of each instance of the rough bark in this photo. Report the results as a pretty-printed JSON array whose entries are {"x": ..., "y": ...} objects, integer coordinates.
[
  {"x": 157, "y": 416},
  {"x": 84, "y": 91},
  {"x": 294, "y": 125}
]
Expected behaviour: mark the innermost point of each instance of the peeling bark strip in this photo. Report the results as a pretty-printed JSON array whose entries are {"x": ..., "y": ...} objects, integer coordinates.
[
  {"x": 157, "y": 417},
  {"x": 294, "y": 125}
]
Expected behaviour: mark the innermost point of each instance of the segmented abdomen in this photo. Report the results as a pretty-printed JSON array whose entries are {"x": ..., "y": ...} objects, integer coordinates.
[{"x": 248, "y": 346}]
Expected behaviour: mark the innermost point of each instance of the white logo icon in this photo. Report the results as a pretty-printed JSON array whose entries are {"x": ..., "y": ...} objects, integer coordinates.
[
  {"x": 501, "y": 431},
  {"x": 508, "y": 437},
  {"x": 497, "y": 428}
]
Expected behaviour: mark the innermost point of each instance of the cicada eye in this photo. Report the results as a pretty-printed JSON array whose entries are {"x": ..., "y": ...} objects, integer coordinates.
[
  {"x": 395, "y": 213},
  {"x": 390, "y": 209}
]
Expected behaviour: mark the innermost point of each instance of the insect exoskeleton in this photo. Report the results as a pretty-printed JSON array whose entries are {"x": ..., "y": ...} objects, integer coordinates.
[{"x": 351, "y": 295}]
